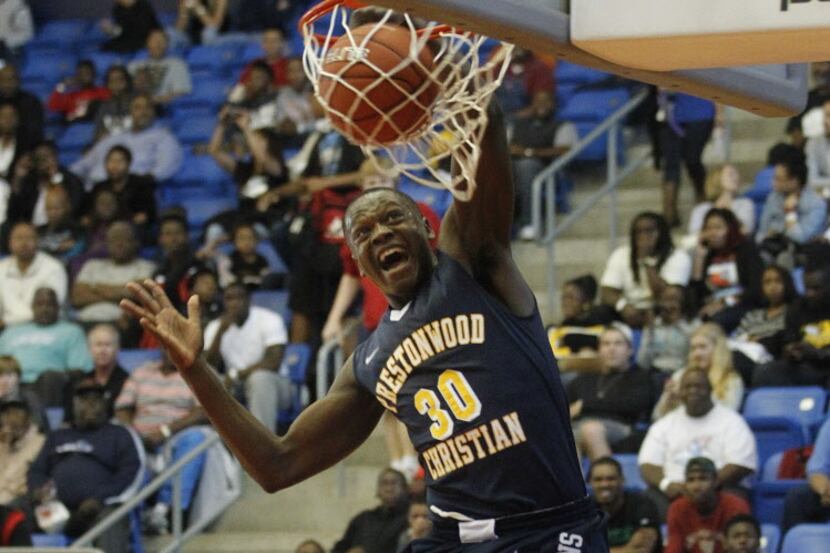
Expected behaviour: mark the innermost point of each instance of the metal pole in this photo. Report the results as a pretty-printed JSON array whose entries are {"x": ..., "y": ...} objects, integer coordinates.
[
  {"x": 612, "y": 178},
  {"x": 177, "y": 510},
  {"x": 551, "y": 273}
]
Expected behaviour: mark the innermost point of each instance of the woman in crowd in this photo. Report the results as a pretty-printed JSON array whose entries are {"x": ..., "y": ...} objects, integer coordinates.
[
  {"x": 664, "y": 346},
  {"x": 708, "y": 351},
  {"x": 726, "y": 271},
  {"x": 721, "y": 190},
  {"x": 113, "y": 115},
  {"x": 637, "y": 273}
]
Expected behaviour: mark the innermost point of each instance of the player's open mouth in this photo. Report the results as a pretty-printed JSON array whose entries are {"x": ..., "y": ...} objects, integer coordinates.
[{"x": 392, "y": 258}]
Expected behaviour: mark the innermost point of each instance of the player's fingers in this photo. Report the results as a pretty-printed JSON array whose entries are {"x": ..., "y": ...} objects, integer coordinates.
[
  {"x": 135, "y": 310},
  {"x": 158, "y": 293},
  {"x": 194, "y": 310},
  {"x": 144, "y": 297}
]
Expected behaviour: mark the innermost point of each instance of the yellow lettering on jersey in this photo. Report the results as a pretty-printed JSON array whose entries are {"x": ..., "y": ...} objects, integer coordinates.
[
  {"x": 398, "y": 354},
  {"x": 448, "y": 332},
  {"x": 500, "y": 436},
  {"x": 386, "y": 397},
  {"x": 411, "y": 352},
  {"x": 477, "y": 320},
  {"x": 455, "y": 452},
  {"x": 433, "y": 330},
  {"x": 424, "y": 349},
  {"x": 517, "y": 433},
  {"x": 462, "y": 329}
]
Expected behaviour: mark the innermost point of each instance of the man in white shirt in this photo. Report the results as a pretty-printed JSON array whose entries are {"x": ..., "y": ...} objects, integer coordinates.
[
  {"x": 23, "y": 272},
  {"x": 818, "y": 157},
  {"x": 100, "y": 283},
  {"x": 249, "y": 341},
  {"x": 698, "y": 428}
]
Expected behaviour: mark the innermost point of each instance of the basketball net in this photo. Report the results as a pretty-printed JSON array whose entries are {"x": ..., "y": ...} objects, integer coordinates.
[{"x": 458, "y": 115}]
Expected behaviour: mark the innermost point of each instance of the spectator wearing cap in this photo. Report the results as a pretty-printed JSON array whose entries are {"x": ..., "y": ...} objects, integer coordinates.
[
  {"x": 23, "y": 272},
  {"x": 11, "y": 390},
  {"x": 697, "y": 521},
  {"x": 811, "y": 502},
  {"x": 159, "y": 405},
  {"x": 91, "y": 467},
  {"x": 161, "y": 76},
  {"x": 77, "y": 96},
  {"x": 633, "y": 522},
  {"x": 47, "y": 348},
  {"x": 104, "y": 343},
  {"x": 606, "y": 405},
  {"x": 156, "y": 151},
  {"x": 20, "y": 443},
  {"x": 699, "y": 427},
  {"x": 248, "y": 341},
  {"x": 742, "y": 535}
]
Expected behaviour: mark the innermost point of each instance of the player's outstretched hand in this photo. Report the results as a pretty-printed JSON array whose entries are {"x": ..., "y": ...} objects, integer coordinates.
[{"x": 181, "y": 337}]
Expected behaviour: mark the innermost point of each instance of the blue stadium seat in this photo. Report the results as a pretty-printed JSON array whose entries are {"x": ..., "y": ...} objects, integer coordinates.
[
  {"x": 173, "y": 196},
  {"x": 76, "y": 137},
  {"x": 437, "y": 199},
  {"x": 775, "y": 434},
  {"x": 68, "y": 157},
  {"x": 130, "y": 359},
  {"x": 200, "y": 210},
  {"x": 48, "y": 68},
  {"x": 770, "y": 538},
  {"x": 214, "y": 58},
  {"x": 571, "y": 73},
  {"x": 564, "y": 92},
  {"x": 65, "y": 31},
  {"x": 54, "y": 416},
  {"x": 251, "y": 52},
  {"x": 275, "y": 300},
  {"x": 768, "y": 499},
  {"x": 182, "y": 113},
  {"x": 49, "y": 540},
  {"x": 807, "y": 538},
  {"x": 760, "y": 189},
  {"x": 295, "y": 362},
  {"x": 195, "y": 130},
  {"x": 200, "y": 172},
  {"x": 103, "y": 60},
  {"x": 593, "y": 105},
  {"x": 804, "y": 404},
  {"x": 211, "y": 94},
  {"x": 769, "y": 472},
  {"x": 631, "y": 472}
]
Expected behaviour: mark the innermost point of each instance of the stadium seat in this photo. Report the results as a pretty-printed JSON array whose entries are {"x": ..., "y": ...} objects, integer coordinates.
[
  {"x": 775, "y": 434},
  {"x": 804, "y": 404},
  {"x": 295, "y": 362},
  {"x": 593, "y": 105},
  {"x": 130, "y": 359},
  {"x": 76, "y": 137},
  {"x": 760, "y": 189},
  {"x": 209, "y": 93},
  {"x": 182, "y": 113},
  {"x": 251, "y": 52},
  {"x": 573, "y": 74},
  {"x": 807, "y": 538},
  {"x": 200, "y": 172},
  {"x": 49, "y": 540},
  {"x": 68, "y": 157},
  {"x": 103, "y": 60},
  {"x": 275, "y": 300},
  {"x": 199, "y": 210},
  {"x": 768, "y": 499},
  {"x": 195, "y": 130},
  {"x": 770, "y": 538},
  {"x": 213, "y": 58},
  {"x": 438, "y": 200},
  {"x": 631, "y": 472},
  {"x": 769, "y": 472},
  {"x": 65, "y": 31},
  {"x": 49, "y": 68},
  {"x": 181, "y": 195},
  {"x": 54, "y": 416}
]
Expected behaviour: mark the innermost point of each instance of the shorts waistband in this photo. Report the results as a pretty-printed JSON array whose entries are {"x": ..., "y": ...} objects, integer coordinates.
[{"x": 483, "y": 530}]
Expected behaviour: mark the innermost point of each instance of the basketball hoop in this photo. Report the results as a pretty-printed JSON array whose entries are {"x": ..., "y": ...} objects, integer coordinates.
[{"x": 457, "y": 117}]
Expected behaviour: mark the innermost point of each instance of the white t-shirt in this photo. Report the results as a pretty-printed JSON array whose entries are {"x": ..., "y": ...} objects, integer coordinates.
[
  {"x": 675, "y": 271},
  {"x": 242, "y": 346},
  {"x": 106, "y": 271},
  {"x": 17, "y": 290},
  {"x": 721, "y": 435}
]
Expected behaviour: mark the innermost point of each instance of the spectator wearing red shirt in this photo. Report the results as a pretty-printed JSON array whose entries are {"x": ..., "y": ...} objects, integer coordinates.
[
  {"x": 77, "y": 96},
  {"x": 272, "y": 46},
  {"x": 697, "y": 521}
]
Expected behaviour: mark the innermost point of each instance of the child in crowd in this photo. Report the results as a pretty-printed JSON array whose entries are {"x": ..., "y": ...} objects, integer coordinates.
[
  {"x": 665, "y": 342},
  {"x": 244, "y": 264}
]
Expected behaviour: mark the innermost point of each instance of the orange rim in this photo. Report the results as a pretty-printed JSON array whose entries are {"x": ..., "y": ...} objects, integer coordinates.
[{"x": 319, "y": 10}]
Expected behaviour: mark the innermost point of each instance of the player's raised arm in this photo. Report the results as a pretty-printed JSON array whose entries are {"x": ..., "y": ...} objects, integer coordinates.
[
  {"x": 477, "y": 232},
  {"x": 326, "y": 432}
]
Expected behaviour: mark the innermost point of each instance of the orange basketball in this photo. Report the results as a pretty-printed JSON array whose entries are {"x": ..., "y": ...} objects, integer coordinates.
[{"x": 361, "y": 86}]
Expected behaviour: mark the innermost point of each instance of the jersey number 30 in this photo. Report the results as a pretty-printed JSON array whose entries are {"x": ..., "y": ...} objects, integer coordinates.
[{"x": 459, "y": 397}]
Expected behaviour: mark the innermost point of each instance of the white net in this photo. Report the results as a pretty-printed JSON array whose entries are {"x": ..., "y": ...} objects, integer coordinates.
[{"x": 454, "y": 126}]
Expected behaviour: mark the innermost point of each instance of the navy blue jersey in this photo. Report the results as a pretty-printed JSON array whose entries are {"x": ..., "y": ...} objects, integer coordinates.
[{"x": 479, "y": 392}]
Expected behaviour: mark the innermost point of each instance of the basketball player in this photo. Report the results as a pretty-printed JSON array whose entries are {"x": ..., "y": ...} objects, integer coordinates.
[{"x": 461, "y": 358}]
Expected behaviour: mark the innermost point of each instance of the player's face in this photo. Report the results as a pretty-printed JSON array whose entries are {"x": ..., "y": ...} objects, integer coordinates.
[
  {"x": 742, "y": 538},
  {"x": 390, "y": 243},
  {"x": 700, "y": 486},
  {"x": 607, "y": 484}
]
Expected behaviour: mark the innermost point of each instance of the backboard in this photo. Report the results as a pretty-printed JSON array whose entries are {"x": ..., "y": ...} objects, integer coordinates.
[{"x": 542, "y": 26}]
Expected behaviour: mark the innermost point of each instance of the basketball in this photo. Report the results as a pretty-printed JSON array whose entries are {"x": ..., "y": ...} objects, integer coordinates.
[{"x": 375, "y": 93}]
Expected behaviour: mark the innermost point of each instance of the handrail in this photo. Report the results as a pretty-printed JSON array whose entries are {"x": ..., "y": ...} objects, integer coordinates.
[
  {"x": 560, "y": 162},
  {"x": 547, "y": 179},
  {"x": 157, "y": 482}
]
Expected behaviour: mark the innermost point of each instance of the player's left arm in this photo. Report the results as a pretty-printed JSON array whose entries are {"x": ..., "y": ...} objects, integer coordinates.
[{"x": 477, "y": 232}]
